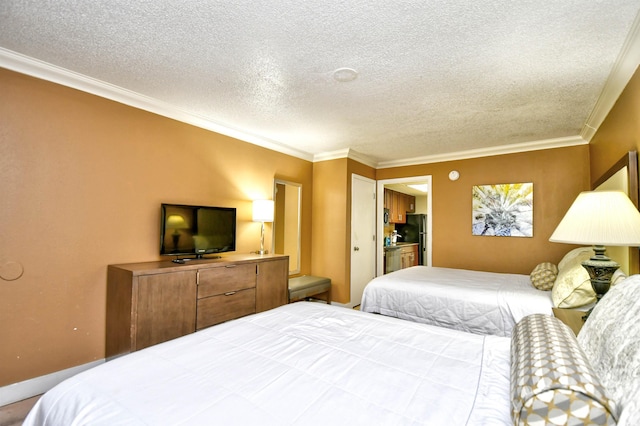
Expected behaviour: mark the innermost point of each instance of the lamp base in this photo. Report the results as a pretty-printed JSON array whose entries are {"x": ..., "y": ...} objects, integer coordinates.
[
  {"x": 600, "y": 269},
  {"x": 262, "y": 250},
  {"x": 176, "y": 238}
]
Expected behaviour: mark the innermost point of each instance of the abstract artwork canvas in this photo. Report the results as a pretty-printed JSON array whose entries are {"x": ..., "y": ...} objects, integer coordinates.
[{"x": 504, "y": 210}]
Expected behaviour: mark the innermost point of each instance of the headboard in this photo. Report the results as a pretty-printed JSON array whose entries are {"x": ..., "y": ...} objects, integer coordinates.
[{"x": 623, "y": 176}]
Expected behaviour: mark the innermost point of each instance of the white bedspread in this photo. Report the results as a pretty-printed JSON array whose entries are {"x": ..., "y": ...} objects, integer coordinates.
[
  {"x": 473, "y": 301},
  {"x": 304, "y": 363}
]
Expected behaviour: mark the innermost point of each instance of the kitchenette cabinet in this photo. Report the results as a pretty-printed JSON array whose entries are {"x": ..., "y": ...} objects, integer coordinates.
[
  {"x": 398, "y": 204},
  {"x": 400, "y": 256},
  {"x": 408, "y": 255}
]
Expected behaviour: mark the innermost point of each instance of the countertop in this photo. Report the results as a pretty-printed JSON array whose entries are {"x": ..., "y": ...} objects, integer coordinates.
[{"x": 399, "y": 246}]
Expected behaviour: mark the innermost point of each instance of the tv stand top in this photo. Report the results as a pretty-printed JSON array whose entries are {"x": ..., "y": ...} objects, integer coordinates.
[
  {"x": 158, "y": 266},
  {"x": 188, "y": 259}
]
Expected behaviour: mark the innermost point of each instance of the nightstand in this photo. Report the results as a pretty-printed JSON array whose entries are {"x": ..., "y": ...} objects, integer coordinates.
[{"x": 571, "y": 317}]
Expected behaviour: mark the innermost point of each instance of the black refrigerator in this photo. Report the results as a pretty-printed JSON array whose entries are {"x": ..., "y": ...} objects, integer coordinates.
[{"x": 415, "y": 231}]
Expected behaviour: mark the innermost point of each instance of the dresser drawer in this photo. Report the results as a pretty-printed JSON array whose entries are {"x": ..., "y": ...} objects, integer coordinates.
[
  {"x": 222, "y": 280},
  {"x": 224, "y": 307}
]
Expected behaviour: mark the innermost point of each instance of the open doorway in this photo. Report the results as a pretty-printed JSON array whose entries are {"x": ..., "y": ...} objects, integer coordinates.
[{"x": 402, "y": 241}]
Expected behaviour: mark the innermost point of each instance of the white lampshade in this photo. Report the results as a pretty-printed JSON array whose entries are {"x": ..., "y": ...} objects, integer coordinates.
[
  {"x": 606, "y": 218},
  {"x": 263, "y": 210}
]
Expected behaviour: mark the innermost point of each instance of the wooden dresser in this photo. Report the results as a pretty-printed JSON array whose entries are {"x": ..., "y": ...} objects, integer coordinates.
[{"x": 152, "y": 302}]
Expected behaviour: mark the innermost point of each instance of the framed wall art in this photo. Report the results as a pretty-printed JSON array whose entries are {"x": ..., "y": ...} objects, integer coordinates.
[{"x": 504, "y": 210}]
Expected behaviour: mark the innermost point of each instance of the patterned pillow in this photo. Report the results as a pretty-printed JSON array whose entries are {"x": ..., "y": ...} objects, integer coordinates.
[
  {"x": 611, "y": 340},
  {"x": 552, "y": 381},
  {"x": 572, "y": 288},
  {"x": 583, "y": 253},
  {"x": 544, "y": 275},
  {"x": 630, "y": 415}
]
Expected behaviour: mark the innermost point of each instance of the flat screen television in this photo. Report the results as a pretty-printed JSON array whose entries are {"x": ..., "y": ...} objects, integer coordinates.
[{"x": 196, "y": 230}]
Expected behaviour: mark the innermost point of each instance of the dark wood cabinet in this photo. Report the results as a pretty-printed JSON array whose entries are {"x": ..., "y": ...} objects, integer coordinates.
[
  {"x": 164, "y": 308},
  {"x": 408, "y": 255},
  {"x": 399, "y": 204},
  {"x": 225, "y": 293},
  {"x": 411, "y": 203},
  {"x": 268, "y": 295},
  {"x": 152, "y": 302}
]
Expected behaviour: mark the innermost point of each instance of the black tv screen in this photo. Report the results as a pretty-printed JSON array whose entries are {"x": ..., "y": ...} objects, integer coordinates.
[{"x": 196, "y": 230}]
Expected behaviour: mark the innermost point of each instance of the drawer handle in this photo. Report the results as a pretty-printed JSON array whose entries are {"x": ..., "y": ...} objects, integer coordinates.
[
  {"x": 230, "y": 266},
  {"x": 230, "y": 293}
]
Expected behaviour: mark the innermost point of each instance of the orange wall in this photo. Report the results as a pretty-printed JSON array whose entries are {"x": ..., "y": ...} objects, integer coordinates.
[
  {"x": 329, "y": 236},
  {"x": 558, "y": 175},
  {"x": 332, "y": 222},
  {"x": 620, "y": 131},
  {"x": 82, "y": 182}
]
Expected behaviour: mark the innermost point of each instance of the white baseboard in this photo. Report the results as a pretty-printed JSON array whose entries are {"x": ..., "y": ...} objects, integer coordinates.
[{"x": 38, "y": 385}]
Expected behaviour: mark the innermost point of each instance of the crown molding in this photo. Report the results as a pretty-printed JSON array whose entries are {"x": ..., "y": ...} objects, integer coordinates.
[
  {"x": 45, "y": 71},
  {"x": 487, "y": 152},
  {"x": 453, "y": 156},
  {"x": 331, "y": 155},
  {"x": 622, "y": 71},
  {"x": 361, "y": 158},
  {"x": 345, "y": 153}
]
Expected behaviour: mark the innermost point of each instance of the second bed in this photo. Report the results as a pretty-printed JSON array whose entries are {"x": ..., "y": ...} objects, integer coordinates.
[{"x": 473, "y": 301}]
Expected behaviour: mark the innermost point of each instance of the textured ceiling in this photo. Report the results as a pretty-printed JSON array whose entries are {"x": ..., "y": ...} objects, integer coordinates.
[{"x": 432, "y": 78}]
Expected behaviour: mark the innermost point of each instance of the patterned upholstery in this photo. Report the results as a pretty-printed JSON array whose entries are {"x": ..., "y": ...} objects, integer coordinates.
[
  {"x": 611, "y": 340},
  {"x": 544, "y": 276},
  {"x": 552, "y": 382},
  {"x": 631, "y": 413}
]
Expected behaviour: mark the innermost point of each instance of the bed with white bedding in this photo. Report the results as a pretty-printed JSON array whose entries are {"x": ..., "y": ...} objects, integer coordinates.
[
  {"x": 473, "y": 301},
  {"x": 309, "y": 363},
  {"x": 304, "y": 363}
]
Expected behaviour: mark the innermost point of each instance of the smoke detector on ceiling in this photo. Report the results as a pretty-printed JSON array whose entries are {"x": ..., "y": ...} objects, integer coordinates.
[{"x": 344, "y": 75}]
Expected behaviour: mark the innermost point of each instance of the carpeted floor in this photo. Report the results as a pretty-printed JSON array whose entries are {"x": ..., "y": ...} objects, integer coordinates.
[{"x": 14, "y": 414}]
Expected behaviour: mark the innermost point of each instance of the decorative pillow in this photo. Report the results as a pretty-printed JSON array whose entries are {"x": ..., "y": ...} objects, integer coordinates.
[
  {"x": 630, "y": 415},
  {"x": 544, "y": 276},
  {"x": 572, "y": 288},
  {"x": 552, "y": 381},
  {"x": 583, "y": 253},
  {"x": 611, "y": 340}
]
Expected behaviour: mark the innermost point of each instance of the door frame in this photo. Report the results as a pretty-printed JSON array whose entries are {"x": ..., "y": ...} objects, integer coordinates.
[{"x": 380, "y": 217}]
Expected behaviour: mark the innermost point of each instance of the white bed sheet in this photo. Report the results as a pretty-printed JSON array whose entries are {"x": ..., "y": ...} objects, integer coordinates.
[
  {"x": 473, "y": 301},
  {"x": 301, "y": 364}
]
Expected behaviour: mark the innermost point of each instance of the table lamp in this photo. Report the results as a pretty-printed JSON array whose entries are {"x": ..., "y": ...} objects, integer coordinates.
[
  {"x": 600, "y": 218},
  {"x": 176, "y": 222},
  {"x": 263, "y": 212}
]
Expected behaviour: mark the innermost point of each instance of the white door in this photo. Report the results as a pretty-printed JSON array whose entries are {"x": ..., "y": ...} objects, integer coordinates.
[{"x": 363, "y": 235}]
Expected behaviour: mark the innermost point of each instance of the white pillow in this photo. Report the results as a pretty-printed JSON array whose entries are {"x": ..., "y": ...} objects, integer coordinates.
[
  {"x": 572, "y": 287},
  {"x": 583, "y": 253}
]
